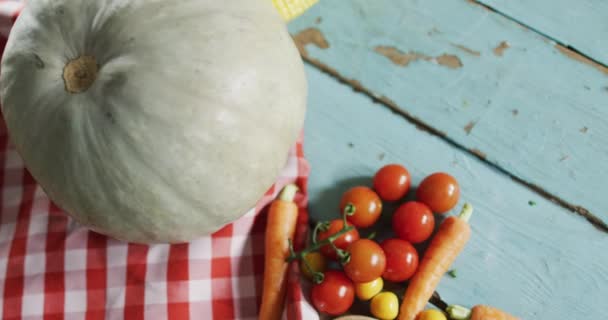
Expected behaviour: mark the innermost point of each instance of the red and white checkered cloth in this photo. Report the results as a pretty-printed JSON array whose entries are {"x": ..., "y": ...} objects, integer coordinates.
[{"x": 52, "y": 268}]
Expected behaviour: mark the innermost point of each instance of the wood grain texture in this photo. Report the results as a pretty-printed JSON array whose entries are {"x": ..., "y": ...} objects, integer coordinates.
[
  {"x": 512, "y": 97},
  {"x": 538, "y": 262},
  {"x": 582, "y": 24}
]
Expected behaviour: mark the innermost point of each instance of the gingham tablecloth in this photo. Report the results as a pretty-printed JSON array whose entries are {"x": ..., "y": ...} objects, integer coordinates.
[{"x": 52, "y": 268}]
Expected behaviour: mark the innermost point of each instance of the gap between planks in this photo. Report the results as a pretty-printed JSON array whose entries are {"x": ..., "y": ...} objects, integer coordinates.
[
  {"x": 422, "y": 125},
  {"x": 563, "y": 47}
]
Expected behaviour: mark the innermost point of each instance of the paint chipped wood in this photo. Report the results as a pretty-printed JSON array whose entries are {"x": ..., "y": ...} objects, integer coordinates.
[
  {"x": 467, "y": 50},
  {"x": 529, "y": 76},
  {"x": 469, "y": 127},
  {"x": 500, "y": 49},
  {"x": 310, "y": 36},
  {"x": 479, "y": 153},
  {"x": 403, "y": 59},
  {"x": 399, "y": 57},
  {"x": 580, "y": 58},
  {"x": 449, "y": 60},
  {"x": 581, "y": 24}
]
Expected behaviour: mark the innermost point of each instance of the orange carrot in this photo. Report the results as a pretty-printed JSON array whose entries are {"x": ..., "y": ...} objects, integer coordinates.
[
  {"x": 280, "y": 229},
  {"x": 479, "y": 312},
  {"x": 449, "y": 241}
]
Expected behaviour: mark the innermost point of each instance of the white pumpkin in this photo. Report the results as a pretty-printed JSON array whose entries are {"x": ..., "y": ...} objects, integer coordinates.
[{"x": 153, "y": 120}]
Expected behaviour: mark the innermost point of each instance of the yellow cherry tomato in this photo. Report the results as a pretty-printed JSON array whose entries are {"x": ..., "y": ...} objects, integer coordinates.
[
  {"x": 431, "y": 315},
  {"x": 367, "y": 290},
  {"x": 385, "y": 306},
  {"x": 316, "y": 261}
]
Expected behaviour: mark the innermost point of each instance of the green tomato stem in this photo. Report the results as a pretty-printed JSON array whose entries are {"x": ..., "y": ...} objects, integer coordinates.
[
  {"x": 317, "y": 245},
  {"x": 320, "y": 226},
  {"x": 317, "y": 277},
  {"x": 343, "y": 256},
  {"x": 349, "y": 210}
]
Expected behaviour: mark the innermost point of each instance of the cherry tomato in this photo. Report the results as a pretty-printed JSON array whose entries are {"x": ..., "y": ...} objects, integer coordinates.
[
  {"x": 431, "y": 315},
  {"x": 414, "y": 222},
  {"x": 439, "y": 191},
  {"x": 316, "y": 261},
  {"x": 392, "y": 182},
  {"x": 367, "y": 290},
  {"x": 385, "y": 306},
  {"x": 401, "y": 260},
  {"x": 334, "y": 295},
  {"x": 342, "y": 242},
  {"x": 367, "y": 261},
  {"x": 366, "y": 204}
]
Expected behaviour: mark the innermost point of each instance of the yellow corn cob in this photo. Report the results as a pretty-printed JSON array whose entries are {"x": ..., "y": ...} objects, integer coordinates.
[{"x": 290, "y": 9}]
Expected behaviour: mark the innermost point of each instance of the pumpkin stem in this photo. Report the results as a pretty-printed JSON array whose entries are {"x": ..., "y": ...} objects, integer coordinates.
[{"x": 80, "y": 73}]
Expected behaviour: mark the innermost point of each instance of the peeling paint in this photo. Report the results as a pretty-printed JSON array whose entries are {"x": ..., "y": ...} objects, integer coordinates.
[
  {"x": 481, "y": 5},
  {"x": 318, "y": 20},
  {"x": 580, "y": 58},
  {"x": 467, "y": 50},
  {"x": 500, "y": 49},
  {"x": 449, "y": 60},
  {"x": 399, "y": 57},
  {"x": 515, "y": 112},
  {"x": 584, "y": 130},
  {"x": 479, "y": 154},
  {"x": 403, "y": 59},
  {"x": 564, "y": 158},
  {"x": 381, "y": 156},
  {"x": 595, "y": 221},
  {"x": 469, "y": 127},
  {"x": 357, "y": 86},
  {"x": 310, "y": 36}
]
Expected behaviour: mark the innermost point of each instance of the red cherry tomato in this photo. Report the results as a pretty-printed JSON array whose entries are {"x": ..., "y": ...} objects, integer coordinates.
[
  {"x": 335, "y": 295},
  {"x": 342, "y": 242},
  {"x": 414, "y": 222},
  {"x": 366, "y": 204},
  {"x": 392, "y": 182},
  {"x": 401, "y": 260},
  {"x": 439, "y": 191},
  {"x": 367, "y": 261}
]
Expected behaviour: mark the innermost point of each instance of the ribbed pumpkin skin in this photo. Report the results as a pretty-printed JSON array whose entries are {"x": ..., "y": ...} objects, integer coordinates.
[{"x": 188, "y": 122}]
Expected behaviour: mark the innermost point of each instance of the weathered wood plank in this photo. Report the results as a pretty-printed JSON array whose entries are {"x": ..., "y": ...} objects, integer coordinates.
[
  {"x": 488, "y": 84},
  {"x": 539, "y": 262},
  {"x": 581, "y": 24}
]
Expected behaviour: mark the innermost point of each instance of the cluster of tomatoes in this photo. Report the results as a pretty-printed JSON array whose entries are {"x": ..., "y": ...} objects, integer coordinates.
[{"x": 366, "y": 263}]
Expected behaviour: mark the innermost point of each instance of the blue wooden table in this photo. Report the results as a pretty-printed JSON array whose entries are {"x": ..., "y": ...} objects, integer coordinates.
[{"x": 511, "y": 97}]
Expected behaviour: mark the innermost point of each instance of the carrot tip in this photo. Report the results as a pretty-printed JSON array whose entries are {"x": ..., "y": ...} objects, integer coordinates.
[
  {"x": 288, "y": 193},
  {"x": 458, "y": 312},
  {"x": 466, "y": 212}
]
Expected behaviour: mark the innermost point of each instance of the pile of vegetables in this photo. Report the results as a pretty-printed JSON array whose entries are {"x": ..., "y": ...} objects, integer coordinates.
[{"x": 345, "y": 265}]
